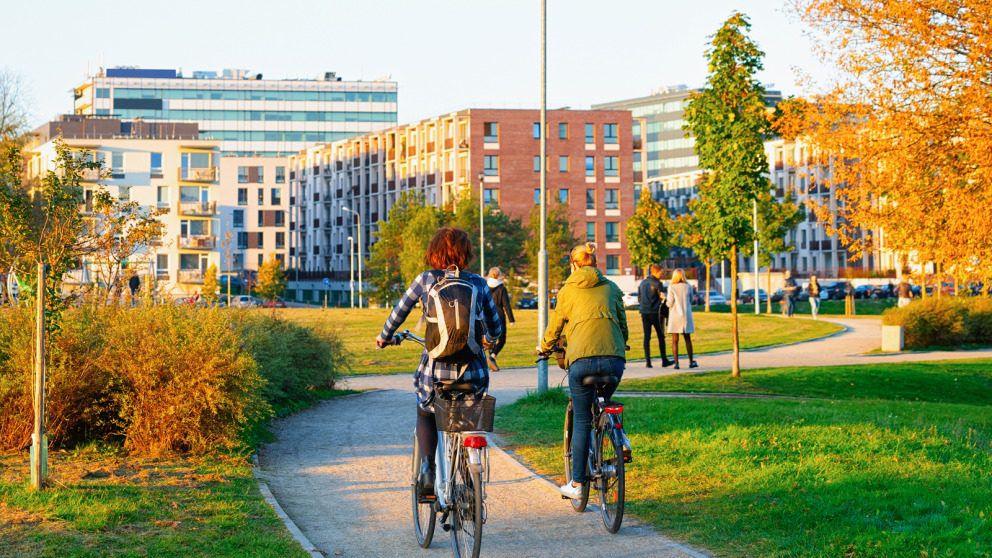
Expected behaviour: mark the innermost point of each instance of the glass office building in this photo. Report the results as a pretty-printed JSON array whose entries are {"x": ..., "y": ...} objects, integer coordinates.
[{"x": 248, "y": 115}]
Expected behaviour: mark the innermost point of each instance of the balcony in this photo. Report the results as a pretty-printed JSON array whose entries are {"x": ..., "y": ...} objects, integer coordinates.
[
  {"x": 191, "y": 276},
  {"x": 197, "y": 242},
  {"x": 89, "y": 175},
  {"x": 198, "y": 208},
  {"x": 208, "y": 174},
  {"x": 327, "y": 171}
]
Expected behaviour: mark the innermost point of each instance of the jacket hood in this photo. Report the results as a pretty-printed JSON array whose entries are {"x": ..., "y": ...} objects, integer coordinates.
[
  {"x": 585, "y": 277},
  {"x": 493, "y": 283}
]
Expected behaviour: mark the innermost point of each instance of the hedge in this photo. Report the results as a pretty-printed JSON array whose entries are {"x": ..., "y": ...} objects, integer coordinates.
[{"x": 943, "y": 322}]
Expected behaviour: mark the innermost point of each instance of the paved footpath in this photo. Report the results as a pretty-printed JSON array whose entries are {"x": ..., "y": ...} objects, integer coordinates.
[{"x": 340, "y": 470}]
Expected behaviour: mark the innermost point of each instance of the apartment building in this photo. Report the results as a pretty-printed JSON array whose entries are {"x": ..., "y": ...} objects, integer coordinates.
[
  {"x": 589, "y": 159},
  {"x": 221, "y": 211},
  {"x": 246, "y": 114}
]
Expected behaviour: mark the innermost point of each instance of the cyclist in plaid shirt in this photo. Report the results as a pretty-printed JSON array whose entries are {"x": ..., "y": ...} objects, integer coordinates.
[{"x": 448, "y": 247}]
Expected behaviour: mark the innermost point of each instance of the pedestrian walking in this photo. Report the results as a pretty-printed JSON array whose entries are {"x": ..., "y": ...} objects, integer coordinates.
[
  {"x": 905, "y": 293},
  {"x": 679, "y": 302},
  {"x": 501, "y": 297},
  {"x": 814, "y": 295},
  {"x": 134, "y": 284},
  {"x": 651, "y": 293},
  {"x": 791, "y": 292}
]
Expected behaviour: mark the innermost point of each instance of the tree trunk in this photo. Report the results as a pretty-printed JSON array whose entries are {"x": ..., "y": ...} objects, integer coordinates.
[
  {"x": 736, "y": 369},
  {"x": 709, "y": 264},
  {"x": 769, "y": 288}
]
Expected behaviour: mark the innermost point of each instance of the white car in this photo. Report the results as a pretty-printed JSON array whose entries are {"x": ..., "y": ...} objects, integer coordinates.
[
  {"x": 715, "y": 297},
  {"x": 245, "y": 301},
  {"x": 630, "y": 300}
]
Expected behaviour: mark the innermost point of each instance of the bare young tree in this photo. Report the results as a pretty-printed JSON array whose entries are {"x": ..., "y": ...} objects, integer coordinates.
[{"x": 13, "y": 109}]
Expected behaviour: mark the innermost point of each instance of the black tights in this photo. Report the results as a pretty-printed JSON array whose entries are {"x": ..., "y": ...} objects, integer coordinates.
[
  {"x": 675, "y": 345},
  {"x": 426, "y": 435}
]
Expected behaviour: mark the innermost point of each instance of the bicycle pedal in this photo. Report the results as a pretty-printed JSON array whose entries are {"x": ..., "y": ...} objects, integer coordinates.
[{"x": 445, "y": 527}]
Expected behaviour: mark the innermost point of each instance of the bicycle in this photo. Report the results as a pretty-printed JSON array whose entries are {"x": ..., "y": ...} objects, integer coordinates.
[
  {"x": 609, "y": 451},
  {"x": 462, "y": 461}
]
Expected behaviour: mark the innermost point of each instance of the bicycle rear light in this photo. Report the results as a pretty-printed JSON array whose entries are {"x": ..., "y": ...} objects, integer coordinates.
[
  {"x": 475, "y": 442},
  {"x": 613, "y": 409}
]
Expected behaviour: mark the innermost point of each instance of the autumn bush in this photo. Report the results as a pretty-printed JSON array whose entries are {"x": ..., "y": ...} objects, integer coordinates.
[
  {"x": 943, "y": 322},
  {"x": 160, "y": 378}
]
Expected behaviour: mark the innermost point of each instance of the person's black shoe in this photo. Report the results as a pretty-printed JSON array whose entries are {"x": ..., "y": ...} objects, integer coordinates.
[
  {"x": 693, "y": 364},
  {"x": 667, "y": 362},
  {"x": 676, "y": 365},
  {"x": 647, "y": 364}
]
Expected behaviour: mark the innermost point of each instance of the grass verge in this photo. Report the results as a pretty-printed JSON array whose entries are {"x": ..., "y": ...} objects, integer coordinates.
[
  {"x": 778, "y": 478},
  {"x": 863, "y": 307},
  {"x": 357, "y": 330}
]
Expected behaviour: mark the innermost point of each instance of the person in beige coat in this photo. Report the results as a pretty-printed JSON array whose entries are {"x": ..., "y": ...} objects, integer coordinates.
[{"x": 679, "y": 303}]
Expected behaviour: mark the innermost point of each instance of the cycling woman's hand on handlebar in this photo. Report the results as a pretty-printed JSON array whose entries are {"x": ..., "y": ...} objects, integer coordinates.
[{"x": 382, "y": 343}]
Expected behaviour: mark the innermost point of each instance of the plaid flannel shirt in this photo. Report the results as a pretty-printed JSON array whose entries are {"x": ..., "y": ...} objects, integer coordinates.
[{"x": 476, "y": 371}]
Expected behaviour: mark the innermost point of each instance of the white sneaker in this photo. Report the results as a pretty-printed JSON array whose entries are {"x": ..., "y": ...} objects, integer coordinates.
[{"x": 571, "y": 491}]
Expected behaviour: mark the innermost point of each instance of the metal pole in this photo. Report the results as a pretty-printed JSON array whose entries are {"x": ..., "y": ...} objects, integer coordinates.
[
  {"x": 351, "y": 268},
  {"x": 482, "y": 230},
  {"x": 39, "y": 449},
  {"x": 359, "y": 258},
  {"x": 542, "y": 257},
  {"x": 757, "y": 299}
]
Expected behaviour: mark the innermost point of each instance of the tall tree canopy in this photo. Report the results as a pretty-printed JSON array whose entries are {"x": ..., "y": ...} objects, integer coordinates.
[
  {"x": 649, "y": 232},
  {"x": 560, "y": 241}
]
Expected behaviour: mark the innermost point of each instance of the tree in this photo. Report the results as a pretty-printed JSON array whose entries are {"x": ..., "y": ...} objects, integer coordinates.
[
  {"x": 560, "y": 241},
  {"x": 775, "y": 220},
  {"x": 210, "y": 284},
  {"x": 649, "y": 232},
  {"x": 903, "y": 127},
  {"x": 505, "y": 236},
  {"x": 271, "y": 279},
  {"x": 386, "y": 278},
  {"x": 13, "y": 113},
  {"x": 728, "y": 120},
  {"x": 418, "y": 229},
  {"x": 690, "y": 232}
]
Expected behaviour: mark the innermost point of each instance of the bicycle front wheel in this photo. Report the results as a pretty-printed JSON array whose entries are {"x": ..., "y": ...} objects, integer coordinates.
[
  {"x": 424, "y": 509},
  {"x": 467, "y": 515},
  {"x": 578, "y": 504},
  {"x": 611, "y": 481}
]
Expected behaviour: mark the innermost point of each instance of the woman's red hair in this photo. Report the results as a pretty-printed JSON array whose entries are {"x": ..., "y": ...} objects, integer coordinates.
[{"x": 450, "y": 246}]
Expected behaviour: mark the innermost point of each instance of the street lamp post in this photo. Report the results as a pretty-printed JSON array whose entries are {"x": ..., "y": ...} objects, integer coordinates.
[
  {"x": 359, "y": 217},
  {"x": 351, "y": 268},
  {"x": 482, "y": 224},
  {"x": 542, "y": 255},
  {"x": 757, "y": 299}
]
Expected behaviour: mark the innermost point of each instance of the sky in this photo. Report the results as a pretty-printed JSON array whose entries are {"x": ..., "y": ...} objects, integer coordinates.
[{"x": 445, "y": 55}]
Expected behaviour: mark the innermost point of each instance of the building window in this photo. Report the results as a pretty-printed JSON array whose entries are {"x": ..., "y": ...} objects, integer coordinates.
[
  {"x": 537, "y": 196},
  {"x": 238, "y": 219},
  {"x": 490, "y": 196},
  {"x": 162, "y": 266},
  {"x": 261, "y": 257},
  {"x": 275, "y": 196},
  {"x": 242, "y": 175},
  {"x": 117, "y": 162},
  {"x": 280, "y": 218},
  {"x": 590, "y": 166},
  {"x": 612, "y": 231},
  {"x": 261, "y": 196},
  {"x": 562, "y": 130},
  {"x": 537, "y": 163},
  {"x": 261, "y": 242},
  {"x": 280, "y": 175},
  {"x": 563, "y": 163},
  {"x": 156, "y": 163},
  {"x": 242, "y": 196},
  {"x": 590, "y": 133},
  {"x": 163, "y": 196},
  {"x": 563, "y": 196},
  {"x": 610, "y": 166},
  {"x": 242, "y": 241},
  {"x": 261, "y": 218},
  {"x": 250, "y": 175},
  {"x": 613, "y": 264},
  {"x": 537, "y": 130},
  {"x": 609, "y": 133},
  {"x": 492, "y": 165},
  {"x": 280, "y": 240},
  {"x": 490, "y": 132},
  {"x": 189, "y": 194},
  {"x": 590, "y": 232},
  {"x": 612, "y": 199},
  {"x": 590, "y": 198}
]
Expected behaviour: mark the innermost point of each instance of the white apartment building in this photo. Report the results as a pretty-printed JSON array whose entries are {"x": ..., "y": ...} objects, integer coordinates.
[{"x": 247, "y": 115}]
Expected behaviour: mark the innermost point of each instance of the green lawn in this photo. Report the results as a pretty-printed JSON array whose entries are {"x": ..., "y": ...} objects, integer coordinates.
[
  {"x": 862, "y": 307},
  {"x": 358, "y": 328},
  {"x": 105, "y": 504},
  {"x": 872, "y": 472}
]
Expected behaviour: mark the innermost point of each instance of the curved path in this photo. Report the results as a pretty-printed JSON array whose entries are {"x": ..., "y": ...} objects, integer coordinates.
[{"x": 340, "y": 470}]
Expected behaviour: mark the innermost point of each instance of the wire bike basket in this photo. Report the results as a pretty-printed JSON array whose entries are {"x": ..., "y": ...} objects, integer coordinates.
[{"x": 462, "y": 415}]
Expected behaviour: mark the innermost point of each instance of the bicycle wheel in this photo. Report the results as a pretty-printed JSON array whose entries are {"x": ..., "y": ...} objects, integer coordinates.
[
  {"x": 611, "y": 482},
  {"x": 578, "y": 504},
  {"x": 424, "y": 512},
  {"x": 467, "y": 515}
]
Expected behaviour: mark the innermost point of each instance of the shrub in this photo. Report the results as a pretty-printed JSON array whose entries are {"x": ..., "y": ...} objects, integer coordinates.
[{"x": 942, "y": 322}]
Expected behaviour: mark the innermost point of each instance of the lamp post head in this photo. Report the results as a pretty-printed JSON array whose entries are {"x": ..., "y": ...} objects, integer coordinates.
[
  {"x": 350, "y": 239},
  {"x": 482, "y": 176}
]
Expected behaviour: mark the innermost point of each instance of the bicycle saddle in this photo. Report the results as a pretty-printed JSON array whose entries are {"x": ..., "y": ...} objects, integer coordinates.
[
  {"x": 600, "y": 381},
  {"x": 455, "y": 385}
]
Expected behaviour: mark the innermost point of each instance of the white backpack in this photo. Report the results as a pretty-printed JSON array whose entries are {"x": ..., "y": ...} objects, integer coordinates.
[{"x": 454, "y": 319}]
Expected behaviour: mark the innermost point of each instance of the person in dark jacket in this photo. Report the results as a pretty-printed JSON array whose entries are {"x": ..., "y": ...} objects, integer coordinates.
[
  {"x": 503, "y": 307},
  {"x": 651, "y": 293},
  {"x": 791, "y": 293}
]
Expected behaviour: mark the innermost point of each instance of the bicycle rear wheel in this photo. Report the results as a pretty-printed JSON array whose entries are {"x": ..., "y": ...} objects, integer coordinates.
[
  {"x": 578, "y": 504},
  {"x": 424, "y": 510},
  {"x": 467, "y": 515},
  {"x": 611, "y": 482}
]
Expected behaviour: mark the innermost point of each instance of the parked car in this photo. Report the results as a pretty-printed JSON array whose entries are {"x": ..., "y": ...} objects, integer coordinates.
[
  {"x": 279, "y": 302},
  {"x": 880, "y": 291},
  {"x": 630, "y": 300},
  {"x": 863, "y": 291},
  {"x": 747, "y": 297},
  {"x": 802, "y": 295},
  {"x": 527, "y": 303},
  {"x": 778, "y": 295},
  {"x": 715, "y": 298},
  {"x": 245, "y": 301},
  {"x": 833, "y": 291}
]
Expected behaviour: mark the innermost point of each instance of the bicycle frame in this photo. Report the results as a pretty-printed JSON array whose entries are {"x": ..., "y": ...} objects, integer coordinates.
[{"x": 450, "y": 447}]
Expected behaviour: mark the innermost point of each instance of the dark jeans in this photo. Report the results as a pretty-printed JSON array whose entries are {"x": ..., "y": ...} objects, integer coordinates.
[
  {"x": 790, "y": 306},
  {"x": 582, "y": 399},
  {"x": 649, "y": 321}
]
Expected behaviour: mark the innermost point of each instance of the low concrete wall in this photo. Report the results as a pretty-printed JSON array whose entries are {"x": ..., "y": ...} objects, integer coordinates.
[{"x": 892, "y": 339}]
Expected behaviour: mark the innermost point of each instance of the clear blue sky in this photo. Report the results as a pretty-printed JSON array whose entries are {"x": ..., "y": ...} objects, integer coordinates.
[{"x": 445, "y": 55}]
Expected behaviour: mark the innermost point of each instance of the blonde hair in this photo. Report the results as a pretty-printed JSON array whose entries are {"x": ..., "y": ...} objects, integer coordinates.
[
  {"x": 583, "y": 255},
  {"x": 494, "y": 272},
  {"x": 678, "y": 276}
]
